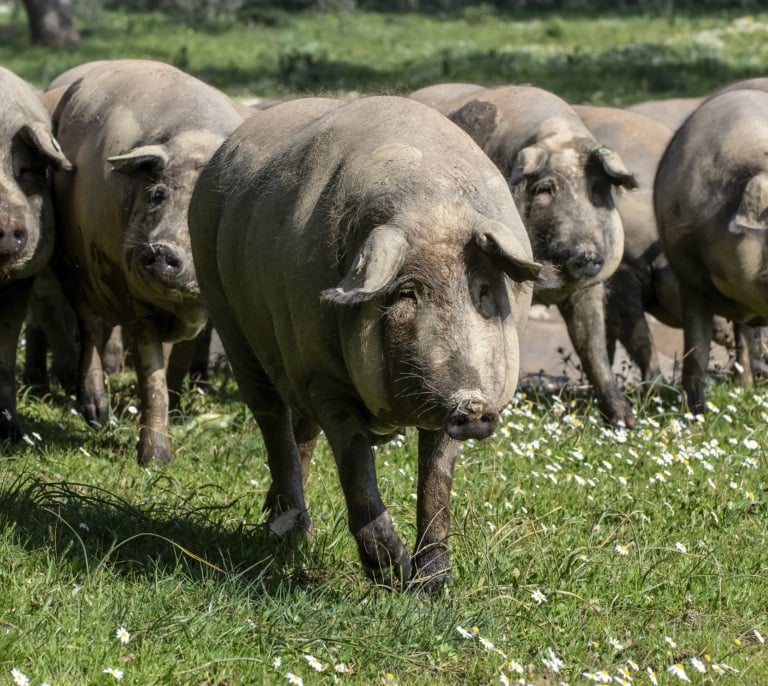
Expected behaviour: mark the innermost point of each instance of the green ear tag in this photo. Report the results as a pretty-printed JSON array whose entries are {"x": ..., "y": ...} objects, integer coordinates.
[{"x": 605, "y": 152}]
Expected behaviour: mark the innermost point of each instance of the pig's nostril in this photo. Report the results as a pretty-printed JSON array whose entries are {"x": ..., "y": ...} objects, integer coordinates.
[{"x": 471, "y": 419}]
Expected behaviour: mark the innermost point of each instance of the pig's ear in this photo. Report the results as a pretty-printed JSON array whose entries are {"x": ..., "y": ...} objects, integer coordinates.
[
  {"x": 374, "y": 267},
  {"x": 499, "y": 242},
  {"x": 529, "y": 161},
  {"x": 478, "y": 118},
  {"x": 614, "y": 166},
  {"x": 144, "y": 158},
  {"x": 38, "y": 137}
]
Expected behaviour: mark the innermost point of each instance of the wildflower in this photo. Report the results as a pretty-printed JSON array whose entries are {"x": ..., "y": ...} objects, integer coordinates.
[
  {"x": 389, "y": 679},
  {"x": 504, "y": 679},
  {"x": 488, "y": 645},
  {"x": 516, "y": 667},
  {"x": 681, "y": 547},
  {"x": 313, "y": 662},
  {"x": 671, "y": 643},
  {"x": 539, "y": 597},
  {"x": 553, "y": 662},
  {"x": 758, "y": 636},
  {"x": 652, "y": 676},
  {"x": 277, "y": 662},
  {"x": 679, "y": 671},
  {"x": 122, "y": 635},
  {"x": 633, "y": 664},
  {"x": 113, "y": 671},
  {"x": 737, "y": 641},
  {"x": 132, "y": 409},
  {"x": 622, "y": 549},
  {"x": 27, "y": 440},
  {"x": 293, "y": 679},
  {"x": 698, "y": 665},
  {"x": 722, "y": 668},
  {"x": 749, "y": 495},
  {"x": 616, "y": 645},
  {"x": 19, "y": 677},
  {"x": 464, "y": 632},
  {"x": 343, "y": 668}
]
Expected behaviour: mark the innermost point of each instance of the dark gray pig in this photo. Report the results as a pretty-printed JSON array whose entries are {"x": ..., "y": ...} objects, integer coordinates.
[
  {"x": 366, "y": 270},
  {"x": 561, "y": 178},
  {"x": 711, "y": 205},
  {"x": 138, "y": 132},
  {"x": 28, "y": 153}
]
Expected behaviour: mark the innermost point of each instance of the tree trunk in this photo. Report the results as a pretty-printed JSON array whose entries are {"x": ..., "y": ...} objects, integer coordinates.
[{"x": 50, "y": 22}]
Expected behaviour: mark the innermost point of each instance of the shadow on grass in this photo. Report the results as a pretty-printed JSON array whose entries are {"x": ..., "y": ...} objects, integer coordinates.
[
  {"x": 629, "y": 73},
  {"x": 89, "y": 528}
]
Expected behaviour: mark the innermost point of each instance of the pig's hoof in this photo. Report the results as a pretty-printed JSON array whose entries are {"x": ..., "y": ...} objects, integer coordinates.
[
  {"x": 153, "y": 452},
  {"x": 430, "y": 569},
  {"x": 96, "y": 412},
  {"x": 287, "y": 515},
  {"x": 620, "y": 414},
  {"x": 382, "y": 553}
]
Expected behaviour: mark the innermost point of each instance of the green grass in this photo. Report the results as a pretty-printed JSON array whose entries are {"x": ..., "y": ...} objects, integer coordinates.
[
  {"x": 612, "y": 60},
  {"x": 181, "y": 556},
  {"x": 183, "y": 559}
]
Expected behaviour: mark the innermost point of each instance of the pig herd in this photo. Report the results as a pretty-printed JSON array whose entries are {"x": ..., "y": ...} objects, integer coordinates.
[{"x": 369, "y": 264}]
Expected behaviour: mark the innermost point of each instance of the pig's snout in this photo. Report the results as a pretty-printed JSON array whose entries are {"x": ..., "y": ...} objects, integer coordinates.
[
  {"x": 161, "y": 262},
  {"x": 585, "y": 264},
  {"x": 12, "y": 241},
  {"x": 471, "y": 418}
]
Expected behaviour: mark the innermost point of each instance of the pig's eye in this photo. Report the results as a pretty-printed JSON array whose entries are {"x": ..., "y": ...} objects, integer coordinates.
[{"x": 157, "y": 194}]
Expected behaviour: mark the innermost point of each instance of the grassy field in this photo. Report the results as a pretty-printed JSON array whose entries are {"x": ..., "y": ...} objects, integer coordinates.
[
  {"x": 615, "y": 553},
  {"x": 580, "y": 554},
  {"x": 611, "y": 59}
]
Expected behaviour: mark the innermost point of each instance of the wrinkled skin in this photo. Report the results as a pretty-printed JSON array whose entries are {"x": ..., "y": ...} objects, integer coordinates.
[
  {"x": 561, "y": 179},
  {"x": 711, "y": 202},
  {"x": 28, "y": 153},
  {"x": 138, "y": 132},
  {"x": 366, "y": 270}
]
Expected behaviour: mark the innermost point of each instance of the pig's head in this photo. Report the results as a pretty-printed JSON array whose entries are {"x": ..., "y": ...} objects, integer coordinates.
[
  {"x": 564, "y": 195},
  {"x": 26, "y": 210},
  {"x": 433, "y": 324},
  {"x": 561, "y": 179},
  {"x": 157, "y": 182}
]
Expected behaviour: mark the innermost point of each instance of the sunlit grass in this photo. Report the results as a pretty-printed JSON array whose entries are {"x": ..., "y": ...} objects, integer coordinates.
[
  {"x": 577, "y": 552},
  {"x": 604, "y": 59}
]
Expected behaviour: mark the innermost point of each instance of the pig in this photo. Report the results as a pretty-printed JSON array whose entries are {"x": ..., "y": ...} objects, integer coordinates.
[
  {"x": 139, "y": 132},
  {"x": 671, "y": 112},
  {"x": 645, "y": 281},
  {"x": 561, "y": 178},
  {"x": 366, "y": 270},
  {"x": 710, "y": 201},
  {"x": 51, "y": 324},
  {"x": 29, "y": 153}
]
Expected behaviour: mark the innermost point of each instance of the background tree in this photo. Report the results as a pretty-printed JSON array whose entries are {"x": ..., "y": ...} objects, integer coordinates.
[{"x": 50, "y": 22}]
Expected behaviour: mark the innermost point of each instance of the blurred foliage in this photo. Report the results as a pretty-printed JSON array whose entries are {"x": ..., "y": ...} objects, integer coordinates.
[{"x": 197, "y": 11}]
